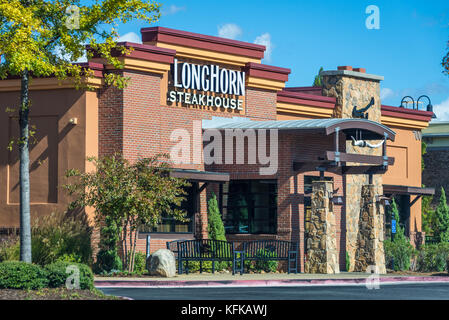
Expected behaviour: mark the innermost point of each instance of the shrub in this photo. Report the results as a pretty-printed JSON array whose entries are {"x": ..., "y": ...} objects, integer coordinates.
[
  {"x": 10, "y": 250},
  {"x": 398, "y": 253},
  {"x": 107, "y": 261},
  {"x": 433, "y": 257},
  {"x": 266, "y": 265},
  {"x": 215, "y": 228},
  {"x": 58, "y": 236},
  {"x": 442, "y": 214},
  {"x": 22, "y": 275},
  {"x": 194, "y": 266},
  {"x": 140, "y": 261},
  {"x": 348, "y": 261},
  {"x": 107, "y": 257},
  {"x": 57, "y": 275}
]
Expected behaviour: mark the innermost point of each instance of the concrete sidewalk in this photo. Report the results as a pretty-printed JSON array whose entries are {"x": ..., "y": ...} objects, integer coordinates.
[{"x": 261, "y": 280}]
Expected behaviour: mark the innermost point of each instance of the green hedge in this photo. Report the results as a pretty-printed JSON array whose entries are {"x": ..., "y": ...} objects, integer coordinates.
[
  {"x": 57, "y": 274},
  {"x": 22, "y": 275},
  {"x": 433, "y": 257},
  {"x": 398, "y": 254}
]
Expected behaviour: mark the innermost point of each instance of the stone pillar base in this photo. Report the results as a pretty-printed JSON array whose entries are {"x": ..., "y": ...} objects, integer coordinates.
[
  {"x": 370, "y": 254},
  {"x": 321, "y": 239}
]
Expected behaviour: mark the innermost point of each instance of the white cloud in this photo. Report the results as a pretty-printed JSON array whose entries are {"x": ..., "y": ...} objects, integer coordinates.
[
  {"x": 386, "y": 93},
  {"x": 265, "y": 40},
  {"x": 229, "y": 31},
  {"x": 441, "y": 110},
  {"x": 173, "y": 9},
  {"x": 130, "y": 37}
]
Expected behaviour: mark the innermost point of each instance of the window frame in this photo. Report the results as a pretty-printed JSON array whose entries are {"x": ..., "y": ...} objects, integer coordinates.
[
  {"x": 193, "y": 208},
  {"x": 272, "y": 209}
]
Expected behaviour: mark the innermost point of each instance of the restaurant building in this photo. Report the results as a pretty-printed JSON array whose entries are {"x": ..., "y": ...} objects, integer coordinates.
[
  {"x": 191, "y": 85},
  {"x": 435, "y": 174}
]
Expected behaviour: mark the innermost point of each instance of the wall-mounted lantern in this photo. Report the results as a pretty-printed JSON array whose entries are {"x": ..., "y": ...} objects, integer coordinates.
[
  {"x": 334, "y": 198},
  {"x": 384, "y": 200}
]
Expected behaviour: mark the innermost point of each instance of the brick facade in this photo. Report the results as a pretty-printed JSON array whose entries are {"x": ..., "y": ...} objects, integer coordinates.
[{"x": 435, "y": 172}]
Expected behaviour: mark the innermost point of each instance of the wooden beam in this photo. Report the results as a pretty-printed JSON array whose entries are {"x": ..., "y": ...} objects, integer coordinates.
[
  {"x": 200, "y": 176},
  {"x": 408, "y": 190},
  {"x": 363, "y": 169},
  {"x": 358, "y": 158}
]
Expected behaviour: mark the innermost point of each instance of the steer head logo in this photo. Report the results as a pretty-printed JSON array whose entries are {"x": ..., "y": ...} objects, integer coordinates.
[{"x": 362, "y": 113}]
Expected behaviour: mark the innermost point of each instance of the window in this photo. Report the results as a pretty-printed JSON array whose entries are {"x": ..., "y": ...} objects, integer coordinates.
[
  {"x": 171, "y": 225},
  {"x": 308, "y": 182},
  {"x": 250, "y": 206},
  {"x": 403, "y": 205}
]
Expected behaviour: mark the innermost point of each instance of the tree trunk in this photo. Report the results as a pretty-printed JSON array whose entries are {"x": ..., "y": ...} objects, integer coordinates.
[{"x": 25, "y": 220}]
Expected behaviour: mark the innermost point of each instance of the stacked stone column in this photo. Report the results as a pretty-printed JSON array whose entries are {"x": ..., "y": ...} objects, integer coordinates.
[
  {"x": 355, "y": 88},
  {"x": 321, "y": 240},
  {"x": 369, "y": 255}
]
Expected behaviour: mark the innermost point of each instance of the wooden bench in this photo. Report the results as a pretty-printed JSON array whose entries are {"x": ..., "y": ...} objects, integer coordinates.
[
  {"x": 204, "y": 250},
  {"x": 268, "y": 250}
]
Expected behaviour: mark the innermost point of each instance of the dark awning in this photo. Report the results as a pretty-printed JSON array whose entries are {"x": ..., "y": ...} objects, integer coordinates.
[
  {"x": 200, "y": 176},
  {"x": 407, "y": 190}
]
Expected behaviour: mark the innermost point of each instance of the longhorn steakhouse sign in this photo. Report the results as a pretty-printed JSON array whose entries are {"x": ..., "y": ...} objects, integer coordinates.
[{"x": 225, "y": 87}]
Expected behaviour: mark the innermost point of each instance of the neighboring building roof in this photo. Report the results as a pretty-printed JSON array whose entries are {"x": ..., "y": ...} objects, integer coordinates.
[{"x": 435, "y": 129}]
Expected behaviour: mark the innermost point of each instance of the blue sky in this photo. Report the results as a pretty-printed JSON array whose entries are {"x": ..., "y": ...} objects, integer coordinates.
[{"x": 407, "y": 49}]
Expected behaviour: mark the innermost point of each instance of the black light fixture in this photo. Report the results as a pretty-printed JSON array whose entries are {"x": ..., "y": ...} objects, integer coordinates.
[
  {"x": 384, "y": 200},
  {"x": 415, "y": 106},
  {"x": 429, "y": 106},
  {"x": 403, "y": 100}
]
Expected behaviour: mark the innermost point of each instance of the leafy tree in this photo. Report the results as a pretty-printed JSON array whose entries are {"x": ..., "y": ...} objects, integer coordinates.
[
  {"x": 442, "y": 214},
  {"x": 423, "y": 152},
  {"x": 130, "y": 195},
  {"x": 429, "y": 218},
  {"x": 41, "y": 38},
  {"x": 400, "y": 231},
  {"x": 445, "y": 62},
  {"x": 216, "y": 228},
  {"x": 318, "y": 79},
  {"x": 107, "y": 257},
  {"x": 428, "y": 215}
]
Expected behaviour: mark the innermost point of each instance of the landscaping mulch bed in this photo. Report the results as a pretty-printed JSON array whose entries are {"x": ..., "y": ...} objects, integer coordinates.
[
  {"x": 414, "y": 273},
  {"x": 54, "y": 294}
]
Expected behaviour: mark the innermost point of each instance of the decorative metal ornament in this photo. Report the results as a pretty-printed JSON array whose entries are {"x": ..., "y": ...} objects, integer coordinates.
[
  {"x": 362, "y": 112},
  {"x": 363, "y": 143}
]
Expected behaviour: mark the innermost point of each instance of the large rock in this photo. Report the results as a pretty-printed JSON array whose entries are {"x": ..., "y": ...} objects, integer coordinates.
[{"x": 162, "y": 263}]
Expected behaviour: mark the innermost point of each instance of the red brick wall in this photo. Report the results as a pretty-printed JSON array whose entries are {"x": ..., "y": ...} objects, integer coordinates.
[
  {"x": 259, "y": 104},
  {"x": 110, "y": 121},
  {"x": 134, "y": 122}
]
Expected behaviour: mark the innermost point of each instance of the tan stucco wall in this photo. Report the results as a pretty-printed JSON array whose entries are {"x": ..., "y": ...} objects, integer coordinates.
[
  {"x": 59, "y": 146},
  {"x": 406, "y": 171}
]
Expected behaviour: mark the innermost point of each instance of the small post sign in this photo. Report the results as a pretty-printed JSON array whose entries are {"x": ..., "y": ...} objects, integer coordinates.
[{"x": 393, "y": 226}]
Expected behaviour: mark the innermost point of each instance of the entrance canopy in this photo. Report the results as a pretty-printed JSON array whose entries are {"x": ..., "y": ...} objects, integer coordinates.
[
  {"x": 200, "y": 176},
  {"x": 367, "y": 129},
  {"x": 358, "y": 130},
  {"x": 407, "y": 190}
]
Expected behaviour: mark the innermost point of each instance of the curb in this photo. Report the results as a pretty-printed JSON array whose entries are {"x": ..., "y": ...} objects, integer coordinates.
[{"x": 264, "y": 283}]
